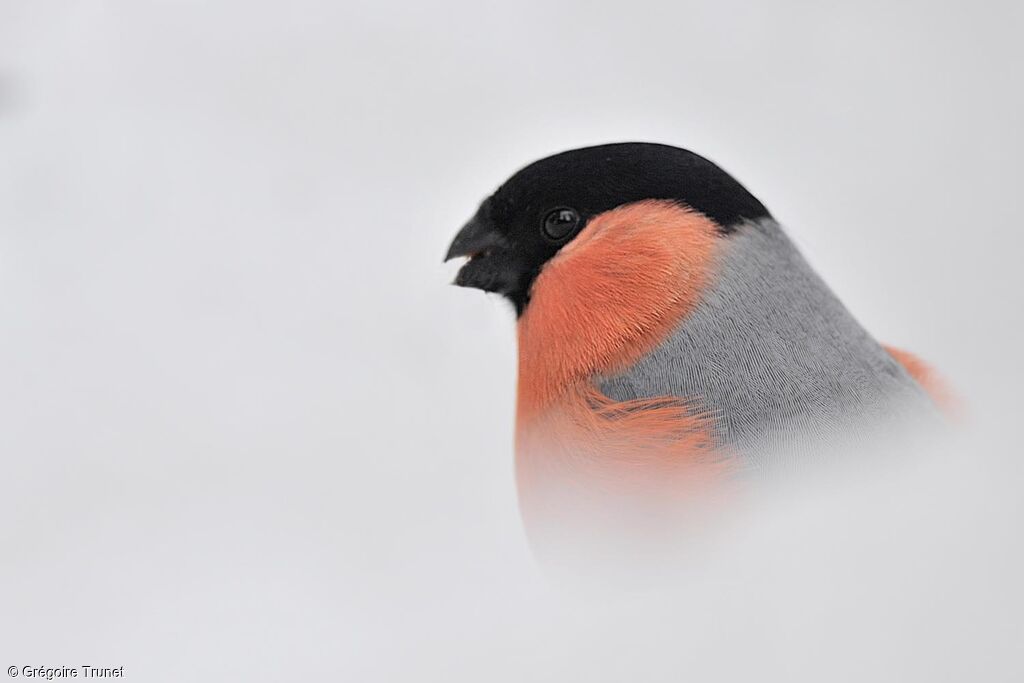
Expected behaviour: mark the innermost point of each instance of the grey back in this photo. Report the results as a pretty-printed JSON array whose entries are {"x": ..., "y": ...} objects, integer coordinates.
[{"x": 772, "y": 354}]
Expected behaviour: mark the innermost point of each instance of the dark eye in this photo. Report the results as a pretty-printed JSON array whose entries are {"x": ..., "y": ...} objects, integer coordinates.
[{"x": 560, "y": 223}]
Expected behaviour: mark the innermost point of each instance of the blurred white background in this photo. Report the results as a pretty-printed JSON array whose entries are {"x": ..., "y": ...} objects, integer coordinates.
[{"x": 248, "y": 432}]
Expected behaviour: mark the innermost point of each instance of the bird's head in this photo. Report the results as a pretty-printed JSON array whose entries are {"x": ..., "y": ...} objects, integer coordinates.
[{"x": 544, "y": 206}]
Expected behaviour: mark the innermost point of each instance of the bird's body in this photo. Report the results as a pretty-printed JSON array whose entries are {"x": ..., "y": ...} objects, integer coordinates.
[
  {"x": 672, "y": 336},
  {"x": 771, "y": 351}
]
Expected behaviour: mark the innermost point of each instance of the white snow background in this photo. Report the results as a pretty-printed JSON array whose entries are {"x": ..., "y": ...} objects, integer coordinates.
[{"x": 248, "y": 432}]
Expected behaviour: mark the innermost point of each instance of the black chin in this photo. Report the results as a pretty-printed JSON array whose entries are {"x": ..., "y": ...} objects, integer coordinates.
[
  {"x": 488, "y": 272},
  {"x": 495, "y": 272}
]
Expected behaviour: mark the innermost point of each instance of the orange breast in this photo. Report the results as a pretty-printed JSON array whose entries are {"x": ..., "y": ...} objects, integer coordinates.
[{"x": 605, "y": 300}]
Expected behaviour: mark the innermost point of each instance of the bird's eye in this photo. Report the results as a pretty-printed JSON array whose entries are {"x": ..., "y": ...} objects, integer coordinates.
[{"x": 559, "y": 224}]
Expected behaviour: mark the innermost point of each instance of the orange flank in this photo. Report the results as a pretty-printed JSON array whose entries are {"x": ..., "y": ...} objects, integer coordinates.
[{"x": 927, "y": 377}]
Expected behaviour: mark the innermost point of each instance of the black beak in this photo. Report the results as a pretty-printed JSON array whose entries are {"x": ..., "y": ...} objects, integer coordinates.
[
  {"x": 490, "y": 266},
  {"x": 476, "y": 238}
]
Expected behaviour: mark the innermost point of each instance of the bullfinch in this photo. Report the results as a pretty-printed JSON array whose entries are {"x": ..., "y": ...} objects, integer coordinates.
[{"x": 670, "y": 335}]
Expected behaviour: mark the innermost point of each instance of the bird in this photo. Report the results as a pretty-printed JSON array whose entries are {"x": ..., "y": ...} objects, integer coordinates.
[{"x": 671, "y": 338}]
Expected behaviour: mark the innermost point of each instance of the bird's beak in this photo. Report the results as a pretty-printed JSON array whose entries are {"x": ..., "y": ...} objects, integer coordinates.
[
  {"x": 476, "y": 237},
  {"x": 487, "y": 249}
]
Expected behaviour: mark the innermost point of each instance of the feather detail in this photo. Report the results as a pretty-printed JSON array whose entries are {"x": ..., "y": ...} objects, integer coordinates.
[{"x": 592, "y": 313}]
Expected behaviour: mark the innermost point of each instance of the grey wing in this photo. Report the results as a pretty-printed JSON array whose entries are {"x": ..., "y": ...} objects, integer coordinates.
[{"x": 770, "y": 350}]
